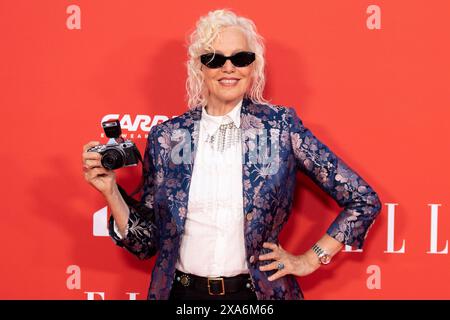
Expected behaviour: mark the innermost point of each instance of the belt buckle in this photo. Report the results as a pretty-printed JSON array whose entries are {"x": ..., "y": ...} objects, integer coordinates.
[{"x": 209, "y": 287}]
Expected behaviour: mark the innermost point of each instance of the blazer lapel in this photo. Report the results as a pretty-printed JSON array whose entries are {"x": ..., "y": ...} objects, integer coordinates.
[
  {"x": 252, "y": 177},
  {"x": 189, "y": 126}
]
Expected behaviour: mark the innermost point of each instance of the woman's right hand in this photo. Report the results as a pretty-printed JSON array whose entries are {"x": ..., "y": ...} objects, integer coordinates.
[{"x": 102, "y": 179}]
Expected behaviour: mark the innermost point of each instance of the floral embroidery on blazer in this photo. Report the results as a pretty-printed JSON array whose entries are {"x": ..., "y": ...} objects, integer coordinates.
[{"x": 156, "y": 224}]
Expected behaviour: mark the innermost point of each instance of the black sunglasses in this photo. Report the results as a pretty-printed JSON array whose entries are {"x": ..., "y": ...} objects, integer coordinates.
[{"x": 216, "y": 60}]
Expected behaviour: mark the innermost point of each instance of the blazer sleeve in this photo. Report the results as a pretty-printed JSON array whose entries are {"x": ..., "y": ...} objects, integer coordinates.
[
  {"x": 359, "y": 202},
  {"x": 142, "y": 235}
]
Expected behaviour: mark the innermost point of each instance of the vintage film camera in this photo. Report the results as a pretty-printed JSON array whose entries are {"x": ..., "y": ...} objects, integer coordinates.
[{"x": 116, "y": 153}]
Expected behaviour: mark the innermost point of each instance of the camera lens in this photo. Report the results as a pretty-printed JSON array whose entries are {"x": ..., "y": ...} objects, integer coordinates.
[{"x": 112, "y": 159}]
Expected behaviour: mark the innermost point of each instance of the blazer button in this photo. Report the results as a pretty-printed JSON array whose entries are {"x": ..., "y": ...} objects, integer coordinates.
[
  {"x": 252, "y": 259},
  {"x": 249, "y": 216}
]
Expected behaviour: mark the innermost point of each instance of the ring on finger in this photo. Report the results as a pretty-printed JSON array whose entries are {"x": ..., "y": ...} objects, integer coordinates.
[{"x": 280, "y": 266}]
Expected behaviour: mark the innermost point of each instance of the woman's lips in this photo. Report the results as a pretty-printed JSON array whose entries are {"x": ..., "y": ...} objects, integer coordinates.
[{"x": 228, "y": 82}]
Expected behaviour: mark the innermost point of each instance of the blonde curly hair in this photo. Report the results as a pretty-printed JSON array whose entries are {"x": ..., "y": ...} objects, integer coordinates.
[{"x": 201, "y": 39}]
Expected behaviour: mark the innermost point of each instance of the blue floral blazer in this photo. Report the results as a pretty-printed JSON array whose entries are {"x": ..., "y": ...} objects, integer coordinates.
[{"x": 156, "y": 224}]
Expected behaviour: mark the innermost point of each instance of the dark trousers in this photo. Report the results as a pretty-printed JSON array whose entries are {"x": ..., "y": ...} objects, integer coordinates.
[{"x": 180, "y": 292}]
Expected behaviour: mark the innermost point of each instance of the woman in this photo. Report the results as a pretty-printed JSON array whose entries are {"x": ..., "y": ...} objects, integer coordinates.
[{"x": 215, "y": 224}]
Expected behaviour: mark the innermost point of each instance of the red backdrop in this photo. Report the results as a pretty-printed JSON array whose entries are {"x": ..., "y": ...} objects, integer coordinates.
[{"x": 378, "y": 97}]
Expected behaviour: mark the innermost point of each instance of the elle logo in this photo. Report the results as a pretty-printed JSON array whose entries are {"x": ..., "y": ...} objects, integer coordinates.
[
  {"x": 100, "y": 223},
  {"x": 391, "y": 228},
  {"x": 90, "y": 295}
]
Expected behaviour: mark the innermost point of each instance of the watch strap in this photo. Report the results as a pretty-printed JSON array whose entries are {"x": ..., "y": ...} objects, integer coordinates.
[{"x": 323, "y": 256}]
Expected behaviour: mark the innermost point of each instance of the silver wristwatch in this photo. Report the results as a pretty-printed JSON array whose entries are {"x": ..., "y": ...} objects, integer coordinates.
[{"x": 323, "y": 256}]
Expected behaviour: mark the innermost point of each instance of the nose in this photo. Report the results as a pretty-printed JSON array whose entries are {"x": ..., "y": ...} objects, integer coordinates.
[{"x": 228, "y": 67}]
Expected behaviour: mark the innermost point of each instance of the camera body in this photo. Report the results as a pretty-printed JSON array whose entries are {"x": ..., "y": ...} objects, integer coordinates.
[{"x": 116, "y": 153}]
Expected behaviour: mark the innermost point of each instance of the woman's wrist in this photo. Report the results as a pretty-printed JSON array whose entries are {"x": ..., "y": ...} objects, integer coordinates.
[
  {"x": 111, "y": 194},
  {"x": 312, "y": 259}
]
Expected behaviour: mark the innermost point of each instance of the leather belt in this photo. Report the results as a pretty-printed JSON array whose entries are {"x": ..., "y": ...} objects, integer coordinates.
[{"x": 215, "y": 285}]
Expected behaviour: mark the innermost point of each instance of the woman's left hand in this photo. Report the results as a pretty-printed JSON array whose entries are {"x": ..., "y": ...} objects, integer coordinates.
[{"x": 287, "y": 263}]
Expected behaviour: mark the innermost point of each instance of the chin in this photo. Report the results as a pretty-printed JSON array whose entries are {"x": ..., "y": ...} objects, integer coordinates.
[{"x": 229, "y": 97}]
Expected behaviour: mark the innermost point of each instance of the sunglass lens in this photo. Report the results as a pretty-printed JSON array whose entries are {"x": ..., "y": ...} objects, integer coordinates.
[
  {"x": 243, "y": 59},
  {"x": 212, "y": 60}
]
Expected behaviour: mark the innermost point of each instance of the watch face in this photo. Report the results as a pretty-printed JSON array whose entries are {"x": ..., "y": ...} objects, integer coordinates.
[{"x": 325, "y": 259}]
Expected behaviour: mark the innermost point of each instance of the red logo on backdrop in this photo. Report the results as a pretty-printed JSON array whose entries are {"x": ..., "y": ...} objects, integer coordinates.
[{"x": 135, "y": 126}]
